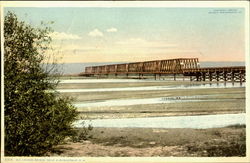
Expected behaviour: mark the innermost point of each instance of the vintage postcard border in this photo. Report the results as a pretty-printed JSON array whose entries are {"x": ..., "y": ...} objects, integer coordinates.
[{"x": 129, "y": 4}]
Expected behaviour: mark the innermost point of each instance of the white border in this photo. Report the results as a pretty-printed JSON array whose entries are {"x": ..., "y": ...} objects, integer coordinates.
[
  {"x": 243, "y": 4},
  {"x": 186, "y": 4},
  {"x": 125, "y": 4},
  {"x": 2, "y": 81}
]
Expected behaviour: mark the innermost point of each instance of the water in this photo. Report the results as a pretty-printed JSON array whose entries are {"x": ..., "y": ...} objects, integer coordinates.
[
  {"x": 160, "y": 100},
  {"x": 162, "y": 79},
  {"x": 153, "y": 88},
  {"x": 196, "y": 122},
  {"x": 77, "y": 81}
]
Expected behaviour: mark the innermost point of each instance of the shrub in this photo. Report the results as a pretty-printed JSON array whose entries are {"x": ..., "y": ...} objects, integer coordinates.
[
  {"x": 232, "y": 146},
  {"x": 82, "y": 134},
  {"x": 35, "y": 117}
]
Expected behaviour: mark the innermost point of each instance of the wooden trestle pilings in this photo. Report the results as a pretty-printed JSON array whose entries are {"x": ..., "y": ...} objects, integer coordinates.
[
  {"x": 180, "y": 66},
  {"x": 234, "y": 74}
]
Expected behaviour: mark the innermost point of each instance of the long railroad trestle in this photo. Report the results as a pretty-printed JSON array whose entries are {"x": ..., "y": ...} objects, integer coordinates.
[{"x": 180, "y": 66}]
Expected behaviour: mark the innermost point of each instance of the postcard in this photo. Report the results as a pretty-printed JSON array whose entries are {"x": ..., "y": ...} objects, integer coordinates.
[{"x": 125, "y": 81}]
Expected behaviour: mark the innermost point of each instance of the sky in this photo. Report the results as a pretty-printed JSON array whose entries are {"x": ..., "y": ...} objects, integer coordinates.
[{"x": 133, "y": 34}]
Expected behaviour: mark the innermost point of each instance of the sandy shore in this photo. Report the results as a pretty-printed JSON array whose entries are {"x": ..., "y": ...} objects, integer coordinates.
[{"x": 137, "y": 142}]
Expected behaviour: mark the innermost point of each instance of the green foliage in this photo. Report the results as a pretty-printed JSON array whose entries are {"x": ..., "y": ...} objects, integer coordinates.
[{"x": 35, "y": 118}]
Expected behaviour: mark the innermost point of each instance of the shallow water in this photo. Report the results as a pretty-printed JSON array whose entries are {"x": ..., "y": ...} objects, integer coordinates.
[
  {"x": 160, "y": 100},
  {"x": 152, "y": 88},
  {"x": 76, "y": 81},
  {"x": 197, "y": 122}
]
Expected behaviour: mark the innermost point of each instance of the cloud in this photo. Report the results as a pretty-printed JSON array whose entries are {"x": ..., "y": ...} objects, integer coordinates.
[
  {"x": 95, "y": 33},
  {"x": 64, "y": 36},
  {"x": 112, "y": 29}
]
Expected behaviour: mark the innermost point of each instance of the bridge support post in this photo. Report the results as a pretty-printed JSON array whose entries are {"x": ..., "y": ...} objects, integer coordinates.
[
  {"x": 225, "y": 76},
  {"x": 217, "y": 77},
  {"x": 210, "y": 76},
  {"x": 240, "y": 73},
  {"x": 232, "y": 77},
  {"x": 174, "y": 77},
  {"x": 243, "y": 77},
  {"x": 197, "y": 77},
  {"x": 203, "y": 76}
]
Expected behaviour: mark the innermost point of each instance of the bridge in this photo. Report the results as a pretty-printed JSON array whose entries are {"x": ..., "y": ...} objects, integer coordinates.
[{"x": 180, "y": 66}]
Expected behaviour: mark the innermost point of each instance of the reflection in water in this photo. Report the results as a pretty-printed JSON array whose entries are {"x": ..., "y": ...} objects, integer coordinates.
[
  {"x": 75, "y": 81},
  {"x": 198, "y": 122},
  {"x": 160, "y": 100},
  {"x": 152, "y": 88}
]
